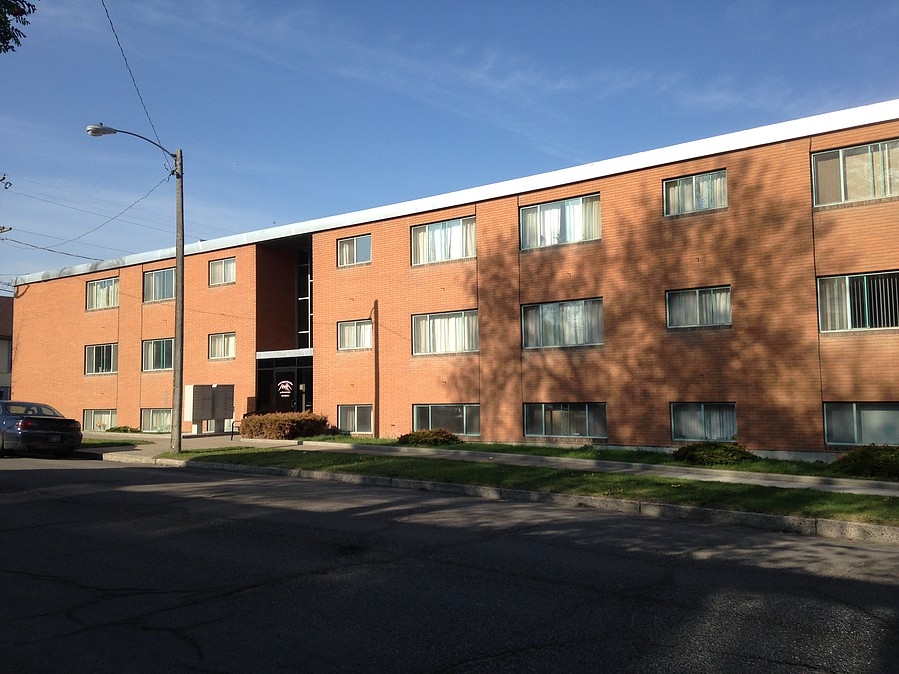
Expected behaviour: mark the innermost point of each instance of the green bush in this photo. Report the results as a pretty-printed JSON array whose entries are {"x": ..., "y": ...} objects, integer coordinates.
[
  {"x": 713, "y": 454},
  {"x": 284, "y": 425},
  {"x": 437, "y": 436},
  {"x": 880, "y": 461},
  {"x": 123, "y": 429}
]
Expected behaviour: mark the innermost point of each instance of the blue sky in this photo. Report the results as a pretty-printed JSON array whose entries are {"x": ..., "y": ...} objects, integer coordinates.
[{"x": 293, "y": 110}]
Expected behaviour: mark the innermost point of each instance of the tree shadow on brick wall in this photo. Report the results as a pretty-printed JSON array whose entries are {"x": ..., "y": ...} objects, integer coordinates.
[{"x": 766, "y": 361}]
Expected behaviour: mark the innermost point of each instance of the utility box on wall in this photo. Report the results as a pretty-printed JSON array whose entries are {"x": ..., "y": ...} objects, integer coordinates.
[{"x": 208, "y": 402}]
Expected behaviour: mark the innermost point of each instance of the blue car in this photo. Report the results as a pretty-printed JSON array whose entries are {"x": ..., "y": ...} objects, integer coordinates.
[{"x": 26, "y": 426}]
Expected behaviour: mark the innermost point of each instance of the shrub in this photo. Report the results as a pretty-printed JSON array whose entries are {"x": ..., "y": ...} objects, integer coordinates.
[
  {"x": 880, "y": 461},
  {"x": 437, "y": 436},
  {"x": 123, "y": 429},
  {"x": 284, "y": 425},
  {"x": 713, "y": 454}
]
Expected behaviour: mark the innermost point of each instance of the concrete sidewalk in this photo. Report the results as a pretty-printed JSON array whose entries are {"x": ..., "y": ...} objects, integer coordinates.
[{"x": 159, "y": 444}]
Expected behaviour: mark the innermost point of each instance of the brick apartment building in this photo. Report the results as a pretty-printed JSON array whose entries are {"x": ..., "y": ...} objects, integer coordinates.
[{"x": 742, "y": 287}]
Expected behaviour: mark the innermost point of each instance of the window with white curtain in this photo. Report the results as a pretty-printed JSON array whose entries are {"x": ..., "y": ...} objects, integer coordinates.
[
  {"x": 858, "y": 302},
  {"x": 566, "y": 420},
  {"x": 157, "y": 354},
  {"x": 354, "y": 418},
  {"x": 442, "y": 241},
  {"x": 222, "y": 271},
  {"x": 103, "y": 294},
  {"x": 451, "y": 332},
  {"x": 159, "y": 285},
  {"x": 222, "y": 345},
  {"x": 458, "y": 419},
  {"x": 701, "y": 192},
  {"x": 856, "y": 173},
  {"x": 698, "y": 307},
  {"x": 101, "y": 359},
  {"x": 558, "y": 222},
  {"x": 703, "y": 421},
  {"x": 99, "y": 420},
  {"x": 354, "y": 250},
  {"x": 354, "y": 335},
  {"x": 156, "y": 420},
  {"x": 573, "y": 323},
  {"x": 861, "y": 423}
]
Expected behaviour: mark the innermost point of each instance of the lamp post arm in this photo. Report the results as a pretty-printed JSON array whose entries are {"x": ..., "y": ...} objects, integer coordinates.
[{"x": 152, "y": 142}]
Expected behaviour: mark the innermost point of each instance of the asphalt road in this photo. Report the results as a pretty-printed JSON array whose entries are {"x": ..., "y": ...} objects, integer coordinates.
[{"x": 120, "y": 568}]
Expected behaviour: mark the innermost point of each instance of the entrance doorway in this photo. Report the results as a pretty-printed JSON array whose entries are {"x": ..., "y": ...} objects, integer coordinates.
[{"x": 284, "y": 384}]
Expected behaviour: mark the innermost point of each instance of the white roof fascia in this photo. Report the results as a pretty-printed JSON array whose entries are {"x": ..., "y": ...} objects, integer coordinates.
[{"x": 739, "y": 140}]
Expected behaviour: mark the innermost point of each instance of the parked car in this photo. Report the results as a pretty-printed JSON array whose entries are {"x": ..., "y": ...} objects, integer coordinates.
[{"x": 26, "y": 426}]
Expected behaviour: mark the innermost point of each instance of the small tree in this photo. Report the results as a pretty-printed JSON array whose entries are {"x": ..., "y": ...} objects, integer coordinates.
[{"x": 13, "y": 11}]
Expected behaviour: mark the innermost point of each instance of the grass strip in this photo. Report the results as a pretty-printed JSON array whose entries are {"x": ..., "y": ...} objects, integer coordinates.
[
  {"x": 777, "y": 466},
  {"x": 718, "y": 495}
]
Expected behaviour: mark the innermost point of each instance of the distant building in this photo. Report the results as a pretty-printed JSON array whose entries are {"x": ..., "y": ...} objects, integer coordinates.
[
  {"x": 741, "y": 287},
  {"x": 6, "y": 304}
]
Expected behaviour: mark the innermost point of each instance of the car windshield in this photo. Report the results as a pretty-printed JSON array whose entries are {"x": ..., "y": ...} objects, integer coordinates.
[{"x": 32, "y": 409}]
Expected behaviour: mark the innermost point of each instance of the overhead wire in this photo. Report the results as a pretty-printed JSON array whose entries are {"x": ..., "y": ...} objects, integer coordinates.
[
  {"x": 63, "y": 202},
  {"x": 133, "y": 80},
  {"x": 122, "y": 212}
]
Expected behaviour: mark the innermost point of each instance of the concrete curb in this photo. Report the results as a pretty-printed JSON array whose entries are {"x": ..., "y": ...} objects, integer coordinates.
[{"x": 804, "y": 526}]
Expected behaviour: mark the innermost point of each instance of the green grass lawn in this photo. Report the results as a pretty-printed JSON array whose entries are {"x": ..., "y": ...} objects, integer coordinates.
[
  {"x": 121, "y": 442},
  {"x": 780, "y": 466},
  {"x": 719, "y": 495}
]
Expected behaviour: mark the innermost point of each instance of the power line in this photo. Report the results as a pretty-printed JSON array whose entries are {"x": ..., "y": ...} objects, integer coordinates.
[
  {"x": 126, "y": 209},
  {"x": 148, "y": 214},
  {"x": 49, "y": 250},
  {"x": 133, "y": 80}
]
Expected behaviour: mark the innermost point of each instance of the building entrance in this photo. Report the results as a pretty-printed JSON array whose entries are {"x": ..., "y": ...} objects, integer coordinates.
[{"x": 284, "y": 384}]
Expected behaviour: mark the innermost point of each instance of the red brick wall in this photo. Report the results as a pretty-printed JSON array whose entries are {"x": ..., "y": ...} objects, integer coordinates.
[
  {"x": 768, "y": 246},
  {"x": 275, "y": 298},
  {"x": 54, "y": 328}
]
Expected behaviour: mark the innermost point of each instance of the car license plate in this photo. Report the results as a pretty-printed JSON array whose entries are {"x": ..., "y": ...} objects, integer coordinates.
[{"x": 55, "y": 438}]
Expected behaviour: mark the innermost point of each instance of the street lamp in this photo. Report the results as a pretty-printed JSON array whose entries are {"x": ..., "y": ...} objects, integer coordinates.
[{"x": 178, "y": 343}]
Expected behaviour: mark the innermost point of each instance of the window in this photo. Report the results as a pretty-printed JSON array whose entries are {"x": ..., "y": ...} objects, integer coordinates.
[
  {"x": 861, "y": 423},
  {"x": 222, "y": 271},
  {"x": 458, "y": 419},
  {"x": 699, "y": 307},
  {"x": 453, "y": 332},
  {"x": 703, "y": 421},
  {"x": 566, "y": 419},
  {"x": 558, "y": 222},
  {"x": 354, "y": 418},
  {"x": 861, "y": 302},
  {"x": 156, "y": 420},
  {"x": 354, "y": 335},
  {"x": 157, "y": 354},
  {"x": 101, "y": 359},
  {"x": 5, "y": 355},
  {"x": 702, "y": 192},
  {"x": 441, "y": 241},
  {"x": 222, "y": 345},
  {"x": 99, "y": 420},
  {"x": 159, "y": 285},
  {"x": 856, "y": 173},
  {"x": 355, "y": 250},
  {"x": 575, "y": 323},
  {"x": 103, "y": 294}
]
